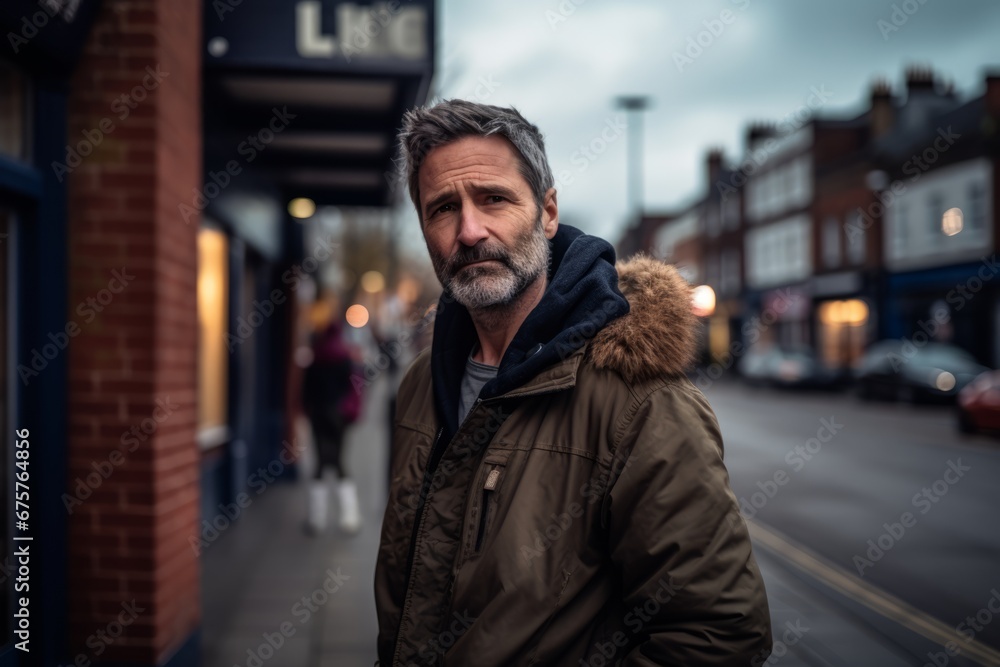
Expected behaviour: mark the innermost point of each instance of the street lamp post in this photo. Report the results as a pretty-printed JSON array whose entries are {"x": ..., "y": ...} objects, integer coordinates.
[{"x": 634, "y": 105}]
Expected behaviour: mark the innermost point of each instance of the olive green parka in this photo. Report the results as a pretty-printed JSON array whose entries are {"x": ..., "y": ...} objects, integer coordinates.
[{"x": 582, "y": 518}]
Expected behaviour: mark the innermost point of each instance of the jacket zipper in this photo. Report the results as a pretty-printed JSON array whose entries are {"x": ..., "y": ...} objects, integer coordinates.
[
  {"x": 422, "y": 502},
  {"x": 489, "y": 487}
]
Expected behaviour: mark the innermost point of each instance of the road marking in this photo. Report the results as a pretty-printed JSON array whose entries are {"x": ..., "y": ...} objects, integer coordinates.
[{"x": 876, "y": 599}]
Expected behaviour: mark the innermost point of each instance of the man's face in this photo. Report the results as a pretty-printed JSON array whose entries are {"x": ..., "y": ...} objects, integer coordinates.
[{"x": 485, "y": 234}]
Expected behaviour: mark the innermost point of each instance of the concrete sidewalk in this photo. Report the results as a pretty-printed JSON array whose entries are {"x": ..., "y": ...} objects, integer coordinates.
[{"x": 273, "y": 596}]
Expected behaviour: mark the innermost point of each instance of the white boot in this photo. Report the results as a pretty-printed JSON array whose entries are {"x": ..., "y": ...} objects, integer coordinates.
[
  {"x": 350, "y": 514},
  {"x": 319, "y": 503}
]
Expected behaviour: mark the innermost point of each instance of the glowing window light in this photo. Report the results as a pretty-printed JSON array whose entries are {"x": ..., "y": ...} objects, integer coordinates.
[
  {"x": 372, "y": 282},
  {"x": 301, "y": 207},
  {"x": 952, "y": 221}
]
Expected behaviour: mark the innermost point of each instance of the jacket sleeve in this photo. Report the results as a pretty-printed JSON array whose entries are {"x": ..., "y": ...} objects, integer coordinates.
[{"x": 692, "y": 592}]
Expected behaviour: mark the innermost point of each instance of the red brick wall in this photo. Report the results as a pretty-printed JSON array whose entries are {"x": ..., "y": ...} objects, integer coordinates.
[{"x": 129, "y": 538}]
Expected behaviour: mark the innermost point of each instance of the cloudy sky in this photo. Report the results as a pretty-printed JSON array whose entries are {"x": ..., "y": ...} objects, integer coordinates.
[{"x": 563, "y": 62}]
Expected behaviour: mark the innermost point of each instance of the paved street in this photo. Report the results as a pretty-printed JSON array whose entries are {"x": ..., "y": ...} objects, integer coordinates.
[{"x": 822, "y": 474}]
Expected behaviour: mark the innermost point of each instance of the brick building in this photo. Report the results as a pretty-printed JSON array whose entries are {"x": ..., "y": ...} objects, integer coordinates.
[{"x": 149, "y": 153}]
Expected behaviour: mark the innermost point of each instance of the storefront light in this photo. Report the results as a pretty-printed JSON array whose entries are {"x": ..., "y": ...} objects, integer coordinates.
[
  {"x": 952, "y": 221},
  {"x": 853, "y": 312},
  {"x": 301, "y": 208}
]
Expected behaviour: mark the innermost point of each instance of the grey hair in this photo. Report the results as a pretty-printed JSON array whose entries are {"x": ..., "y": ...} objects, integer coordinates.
[{"x": 427, "y": 128}]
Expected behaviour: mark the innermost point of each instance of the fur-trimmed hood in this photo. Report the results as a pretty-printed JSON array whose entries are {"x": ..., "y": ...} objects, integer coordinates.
[
  {"x": 637, "y": 321},
  {"x": 659, "y": 334}
]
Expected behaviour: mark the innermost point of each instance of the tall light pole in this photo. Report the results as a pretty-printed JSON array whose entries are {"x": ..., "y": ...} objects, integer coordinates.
[{"x": 634, "y": 105}]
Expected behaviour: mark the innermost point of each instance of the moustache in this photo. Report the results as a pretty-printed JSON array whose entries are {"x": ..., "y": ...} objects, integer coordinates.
[{"x": 476, "y": 254}]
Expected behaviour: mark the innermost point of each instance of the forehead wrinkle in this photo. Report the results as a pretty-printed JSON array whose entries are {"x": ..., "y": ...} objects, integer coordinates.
[
  {"x": 469, "y": 177},
  {"x": 485, "y": 158}
]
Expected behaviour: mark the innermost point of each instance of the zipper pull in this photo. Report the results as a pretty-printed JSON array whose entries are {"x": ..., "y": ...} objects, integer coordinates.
[{"x": 491, "y": 480}]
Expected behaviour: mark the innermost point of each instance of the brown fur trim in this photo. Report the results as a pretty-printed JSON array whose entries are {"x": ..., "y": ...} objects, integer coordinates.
[{"x": 659, "y": 335}]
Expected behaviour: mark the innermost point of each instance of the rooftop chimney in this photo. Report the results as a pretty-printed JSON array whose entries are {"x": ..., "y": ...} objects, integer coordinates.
[
  {"x": 993, "y": 93},
  {"x": 759, "y": 131},
  {"x": 882, "y": 112},
  {"x": 713, "y": 164}
]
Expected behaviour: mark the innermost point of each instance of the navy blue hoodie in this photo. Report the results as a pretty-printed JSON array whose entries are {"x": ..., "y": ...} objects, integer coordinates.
[{"x": 582, "y": 291}]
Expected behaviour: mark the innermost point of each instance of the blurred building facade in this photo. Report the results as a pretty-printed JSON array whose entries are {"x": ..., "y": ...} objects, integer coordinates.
[
  {"x": 835, "y": 231},
  {"x": 153, "y": 274}
]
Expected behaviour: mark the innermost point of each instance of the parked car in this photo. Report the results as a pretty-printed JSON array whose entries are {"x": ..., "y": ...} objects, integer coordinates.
[
  {"x": 786, "y": 367},
  {"x": 900, "y": 370},
  {"x": 979, "y": 404}
]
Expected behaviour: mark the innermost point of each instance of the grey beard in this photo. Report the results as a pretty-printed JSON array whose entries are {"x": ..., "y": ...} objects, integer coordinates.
[{"x": 497, "y": 287}]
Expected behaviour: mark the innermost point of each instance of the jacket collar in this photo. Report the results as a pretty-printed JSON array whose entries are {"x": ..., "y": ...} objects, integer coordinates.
[{"x": 582, "y": 296}]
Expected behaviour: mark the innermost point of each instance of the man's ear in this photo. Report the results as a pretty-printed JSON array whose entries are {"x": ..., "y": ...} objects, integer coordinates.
[{"x": 550, "y": 213}]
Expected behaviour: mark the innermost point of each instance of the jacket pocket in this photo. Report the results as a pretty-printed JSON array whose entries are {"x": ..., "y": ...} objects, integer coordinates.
[{"x": 486, "y": 496}]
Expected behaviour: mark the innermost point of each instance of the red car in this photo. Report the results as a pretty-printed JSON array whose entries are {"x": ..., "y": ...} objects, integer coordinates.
[{"x": 979, "y": 404}]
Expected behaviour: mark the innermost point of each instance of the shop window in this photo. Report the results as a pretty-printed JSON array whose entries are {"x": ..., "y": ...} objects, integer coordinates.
[
  {"x": 977, "y": 206},
  {"x": 712, "y": 219},
  {"x": 712, "y": 270},
  {"x": 902, "y": 219},
  {"x": 935, "y": 208},
  {"x": 14, "y": 125},
  {"x": 731, "y": 213},
  {"x": 856, "y": 237},
  {"x": 213, "y": 356},
  {"x": 842, "y": 329},
  {"x": 730, "y": 282},
  {"x": 831, "y": 243}
]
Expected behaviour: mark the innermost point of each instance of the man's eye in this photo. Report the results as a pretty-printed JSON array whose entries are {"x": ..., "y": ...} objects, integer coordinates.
[
  {"x": 496, "y": 199},
  {"x": 444, "y": 208}
]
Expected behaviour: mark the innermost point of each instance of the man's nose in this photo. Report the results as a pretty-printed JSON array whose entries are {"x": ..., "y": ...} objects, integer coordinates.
[{"x": 471, "y": 230}]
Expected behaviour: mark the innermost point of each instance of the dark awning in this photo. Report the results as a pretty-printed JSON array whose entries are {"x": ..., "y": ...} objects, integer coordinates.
[{"x": 337, "y": 76}]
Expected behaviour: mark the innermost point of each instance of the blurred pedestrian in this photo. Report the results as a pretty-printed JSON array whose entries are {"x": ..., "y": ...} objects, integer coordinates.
[
  {"x": 558, "y": 491},
  {"x": 332, "y": 402}
]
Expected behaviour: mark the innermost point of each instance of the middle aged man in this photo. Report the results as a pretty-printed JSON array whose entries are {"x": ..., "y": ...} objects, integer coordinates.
[{"x": 558, "y": 493}]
